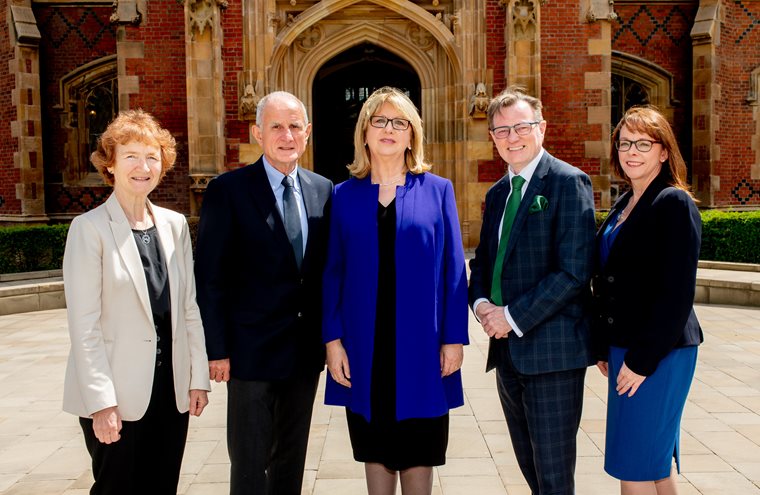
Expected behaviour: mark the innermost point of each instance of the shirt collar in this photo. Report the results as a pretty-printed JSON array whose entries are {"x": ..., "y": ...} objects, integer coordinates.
[
  {"x": 529, "y": 170},
  {"x": 275, "y": 176}
]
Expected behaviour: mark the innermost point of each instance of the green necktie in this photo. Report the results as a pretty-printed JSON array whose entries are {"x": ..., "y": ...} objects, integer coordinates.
[{"x": 513, "y": 203}]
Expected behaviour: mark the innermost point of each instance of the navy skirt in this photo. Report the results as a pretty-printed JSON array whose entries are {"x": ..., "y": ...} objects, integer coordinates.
[{"x": 643, "y": 430}]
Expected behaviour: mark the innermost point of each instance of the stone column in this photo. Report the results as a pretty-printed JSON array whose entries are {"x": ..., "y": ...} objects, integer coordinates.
[
  {"x": 705, "y": 37},
  {"x": 523, "y": 41},
  {"x": 205, "y": 100},
  {"x": 27, "y": 127}
]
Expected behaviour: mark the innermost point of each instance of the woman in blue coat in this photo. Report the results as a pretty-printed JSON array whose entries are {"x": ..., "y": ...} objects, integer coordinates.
[{"x": 395, "y": 300}]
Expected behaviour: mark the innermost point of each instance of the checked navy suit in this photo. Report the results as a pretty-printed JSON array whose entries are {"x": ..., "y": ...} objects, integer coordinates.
[{"x": 544, "y": 284}]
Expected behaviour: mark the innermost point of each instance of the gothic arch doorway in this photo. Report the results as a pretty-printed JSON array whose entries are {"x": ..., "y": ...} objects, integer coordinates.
[{"x": 339, "y": 90}]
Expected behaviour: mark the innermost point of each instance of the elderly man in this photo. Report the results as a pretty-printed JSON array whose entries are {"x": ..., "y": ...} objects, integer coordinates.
[
  {"x": 529, "y": 278},
  {"x": 260, "y": 256}
]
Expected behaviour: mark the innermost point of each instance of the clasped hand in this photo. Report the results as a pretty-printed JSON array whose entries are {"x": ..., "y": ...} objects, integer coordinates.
[{"x": 493, "y": 319}]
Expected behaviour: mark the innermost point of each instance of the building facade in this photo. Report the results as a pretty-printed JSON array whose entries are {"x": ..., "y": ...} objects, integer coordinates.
[{"x": 200, "y": 66}]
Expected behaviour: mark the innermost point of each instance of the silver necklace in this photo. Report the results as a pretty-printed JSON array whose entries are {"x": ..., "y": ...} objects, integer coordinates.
[{"x": 144, "y": 237}]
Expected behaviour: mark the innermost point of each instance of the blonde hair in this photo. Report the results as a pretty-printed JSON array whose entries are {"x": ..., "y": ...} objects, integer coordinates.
[
  {"x": 650, "y": 121},
  {"x": 128, "y": 126},
  {"x": 414, "y": 158}
]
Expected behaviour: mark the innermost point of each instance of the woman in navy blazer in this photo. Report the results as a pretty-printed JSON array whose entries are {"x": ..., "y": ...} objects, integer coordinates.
[
  {"x": 395, "y": 300},
  {"x": 645, "y": 331}
]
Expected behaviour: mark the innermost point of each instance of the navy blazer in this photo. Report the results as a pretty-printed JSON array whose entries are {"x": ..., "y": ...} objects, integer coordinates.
[
  {"x": 547, "y": 267},
  {"x": 258, "y": 309},
  {"x": 644, "y": 294}
]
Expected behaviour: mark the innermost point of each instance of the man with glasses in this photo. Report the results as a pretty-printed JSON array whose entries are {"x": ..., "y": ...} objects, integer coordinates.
[
  {"x": 530, "y": 275},
  {"x": 261, "y": 250}
]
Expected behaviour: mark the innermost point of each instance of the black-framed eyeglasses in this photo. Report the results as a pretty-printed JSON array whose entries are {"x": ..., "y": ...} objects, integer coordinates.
[
  {"x": 380, "y": 122},
  {"x": 643, "y": 145},
  {"x": 521, "y": 129}
]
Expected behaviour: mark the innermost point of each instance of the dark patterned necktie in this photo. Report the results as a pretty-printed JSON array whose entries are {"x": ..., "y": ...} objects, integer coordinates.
[{"x": 292, "y": 218}]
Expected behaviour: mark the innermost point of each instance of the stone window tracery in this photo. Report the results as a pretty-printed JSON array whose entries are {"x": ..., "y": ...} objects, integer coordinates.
[{"x": 89, "y": 102}]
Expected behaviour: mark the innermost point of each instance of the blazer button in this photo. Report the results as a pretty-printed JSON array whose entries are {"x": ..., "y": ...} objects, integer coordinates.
[
  {"x": 610, "y": 279},
  {"x": 158, "y": 351},
  {"x": 158, "y": 363},
  {"x": 610, "y": 320},
  {"x": 158, "y": 338},
  {"x": 300, "y": 315}
]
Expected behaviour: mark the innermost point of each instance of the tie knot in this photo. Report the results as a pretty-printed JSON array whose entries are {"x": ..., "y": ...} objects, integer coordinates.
[
  {"x": 517, "y": 182},
  {"x": 287, "y": 181}
]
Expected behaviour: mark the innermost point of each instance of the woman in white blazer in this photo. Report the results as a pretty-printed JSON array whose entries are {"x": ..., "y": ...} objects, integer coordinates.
[{"x": 138, "y": 362}]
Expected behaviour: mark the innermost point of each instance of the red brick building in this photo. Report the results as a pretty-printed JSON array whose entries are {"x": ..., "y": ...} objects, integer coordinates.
[{"x": 66, "y": 67}]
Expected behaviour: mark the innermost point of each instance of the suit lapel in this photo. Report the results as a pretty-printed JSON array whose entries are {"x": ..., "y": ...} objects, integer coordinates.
[
  {"x": 125, "y": 243},
  {"x": 266, "y": 203},
  {"x": 501, "y": 192},
  {"x": 166, "y": 236}
]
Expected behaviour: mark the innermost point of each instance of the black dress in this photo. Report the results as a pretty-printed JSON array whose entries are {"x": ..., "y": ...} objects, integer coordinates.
[{"x": 398, "y": 445}]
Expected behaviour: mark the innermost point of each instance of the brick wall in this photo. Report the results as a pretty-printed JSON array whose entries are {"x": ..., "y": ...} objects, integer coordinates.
[
  {"x": 163, "y": 89},
  {"x": 564, "y": 62},
  {"x": 738, "y": 55},
  {"x": 71, "y": 37},
  {"x": 9, "y": 174},
  {"x": 496, "y": 51},
  {"x": 660, "y": 33},
  {"x": 236, "y": 131}
]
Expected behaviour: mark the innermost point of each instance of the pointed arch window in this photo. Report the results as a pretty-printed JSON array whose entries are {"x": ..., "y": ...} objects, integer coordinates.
[
  {"x": 636, "y": 81},
  {"x": 89, "y": 102}
]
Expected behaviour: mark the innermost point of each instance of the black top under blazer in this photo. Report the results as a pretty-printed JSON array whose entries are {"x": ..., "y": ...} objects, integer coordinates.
[
  {"x": 258, "y": 309},
  {"x": 643, "y": 297}
]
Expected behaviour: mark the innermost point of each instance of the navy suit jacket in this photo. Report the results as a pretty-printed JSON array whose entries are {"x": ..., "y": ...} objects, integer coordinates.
[
  {"x": 644, "y": 294},
  {"x": 547, "y": 268},
  {"x": 258, "y": 309}
]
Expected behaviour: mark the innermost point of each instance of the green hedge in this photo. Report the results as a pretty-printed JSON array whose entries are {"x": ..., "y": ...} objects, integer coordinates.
[
  {"x": 32, "y": 248},
  {"x": 731, "y": 236},
  {"x": 726, "y": 236}
]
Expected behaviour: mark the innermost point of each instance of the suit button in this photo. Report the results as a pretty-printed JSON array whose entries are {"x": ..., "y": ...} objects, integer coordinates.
[
  {"x": 300, "y": 315},
  {"x": 610, "y": 320},
  {"x": 158, "y": 338},
  {"x": 158, "y": 351},
  {"x": 610, "y": 279},
  {"x": 158, "y": 363}
]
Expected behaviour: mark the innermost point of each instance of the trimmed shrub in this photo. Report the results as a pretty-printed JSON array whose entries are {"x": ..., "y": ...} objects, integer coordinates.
[
  {"x": 32, "y": 248},
  {"x": 731, "y": 236}
]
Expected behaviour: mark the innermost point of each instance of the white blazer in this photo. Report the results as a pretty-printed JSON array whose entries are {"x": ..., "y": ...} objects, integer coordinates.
[{"x": 113, "y": 338}]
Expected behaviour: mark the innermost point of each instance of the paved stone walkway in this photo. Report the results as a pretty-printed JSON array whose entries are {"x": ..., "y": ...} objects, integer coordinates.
[{"x": 42, "y": 451}]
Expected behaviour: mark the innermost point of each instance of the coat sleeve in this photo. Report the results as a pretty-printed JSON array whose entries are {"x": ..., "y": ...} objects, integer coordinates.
[
  {"x": 481, "y": 265},
  {"x": 83, "y": 282},
  {"x": 332, "y": 280},
  {"x": 214, "y": 234},
  {"x": 676, "y": 240},
  {"x": 454, "y": 275},
  {"x": 199, "y": 378},
  {"x": 574, "y": 229}
]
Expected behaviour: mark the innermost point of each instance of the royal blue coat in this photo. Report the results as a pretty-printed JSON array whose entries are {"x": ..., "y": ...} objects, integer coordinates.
[{"x": 431, "y": 293}]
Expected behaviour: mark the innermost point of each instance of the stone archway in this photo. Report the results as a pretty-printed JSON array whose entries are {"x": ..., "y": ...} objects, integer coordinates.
[{"x": 340, "y": 88}]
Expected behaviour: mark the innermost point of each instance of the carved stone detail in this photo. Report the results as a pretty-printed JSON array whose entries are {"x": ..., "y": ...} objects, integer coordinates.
[
  {"x": 524, "y": 19},
  {"x": 310, "y": 38},
  {"x": 479, "y": 102},
  {"x": 250, "y": 98},
  {"x": 202, "y": 13},
  {"x": 420, "y": 37}
]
